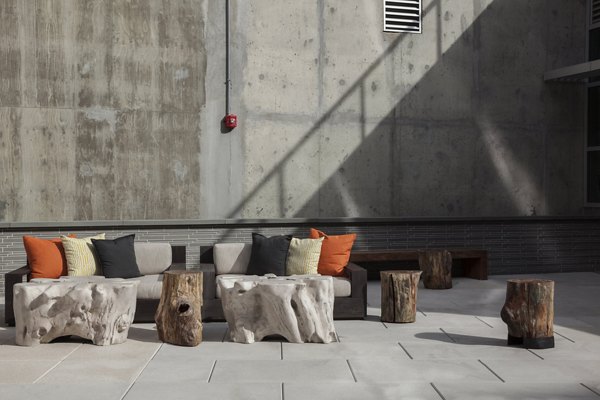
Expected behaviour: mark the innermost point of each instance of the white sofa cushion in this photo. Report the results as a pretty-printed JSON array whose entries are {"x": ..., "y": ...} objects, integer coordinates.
[
  {"x": 152, "y": 258},
  {"x": 342, "y": 286},
  {"x": 150, "y": 286},
  {"x": 231, "y": 258}
]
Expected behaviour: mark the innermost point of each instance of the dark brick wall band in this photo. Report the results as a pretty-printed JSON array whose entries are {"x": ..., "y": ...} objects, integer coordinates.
[{"x": 515, "y": 246}]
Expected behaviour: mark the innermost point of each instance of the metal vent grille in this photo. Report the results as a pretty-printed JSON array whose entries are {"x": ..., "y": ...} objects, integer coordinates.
[
  {"x": 405, "y": 15},
  {"x": 595, "y": 11}
]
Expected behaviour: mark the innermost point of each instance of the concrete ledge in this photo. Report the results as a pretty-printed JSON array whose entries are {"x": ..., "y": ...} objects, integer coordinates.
[{"x": 53, "y": 225}]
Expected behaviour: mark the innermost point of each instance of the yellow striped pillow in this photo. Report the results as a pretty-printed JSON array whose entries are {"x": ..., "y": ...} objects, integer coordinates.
[
  {"x": 81, "y": 255},
  {"x": 303, "y": 256}
]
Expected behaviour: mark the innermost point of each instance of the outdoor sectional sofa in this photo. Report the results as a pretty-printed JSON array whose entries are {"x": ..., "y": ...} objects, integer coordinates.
[
  {"x": 232, "y": 259},
  {"x": 155, "y": 258},
  {"x": 152, "y": 260}
]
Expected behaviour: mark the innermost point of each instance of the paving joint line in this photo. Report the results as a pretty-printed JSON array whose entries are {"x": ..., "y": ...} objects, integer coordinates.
[
  {"x": 564, "y": 337},
  {"x": 447, "y": 334},
  {"x": 212, "y": 370},
  {"x": 492, "y": 371},
  {"x": 483, "y": 321},
  {"x": 57, "y": 364},
  {"x": 282, "y": 391},
  {"x": 133, "y": 381},
  {"x": 535, "y": 354},
  {"x": 590, "y": 389},
  {"x": 437, "y": 391},
  {"x": 351, "y": 370},
  {"x": 422, "y": 312},
  {"x": 406, "y": 351},
  {"x": 281, "y": 349},
  {"x": 224, "y": 335}
]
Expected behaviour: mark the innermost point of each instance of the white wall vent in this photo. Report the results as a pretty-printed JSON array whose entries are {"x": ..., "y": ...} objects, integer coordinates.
[
  {"x": 595, "y": 12},
  {"x": 405, "y": 15}
]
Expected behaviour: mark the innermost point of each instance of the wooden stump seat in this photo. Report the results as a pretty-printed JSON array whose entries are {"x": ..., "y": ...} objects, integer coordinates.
[
  {"x": 399, "y": 295},
  {"x": 437, "y": 269},
  {"x": 529, "y": 312},
  {"x": 178, "y": 317}
]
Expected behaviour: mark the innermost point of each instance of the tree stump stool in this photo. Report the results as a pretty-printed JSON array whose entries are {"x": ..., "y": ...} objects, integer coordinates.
[
  {"x": 178, "y": 317},
  {"x": 529, "y": 312},
  {"x": 399, "y": 295},
  {"x": 437, "y": 269}
]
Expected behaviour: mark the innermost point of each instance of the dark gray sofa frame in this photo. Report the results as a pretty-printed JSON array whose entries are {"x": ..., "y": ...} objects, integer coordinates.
[
  {"x": 144, "y": 310},
  {"x": 353, "y": 307}
]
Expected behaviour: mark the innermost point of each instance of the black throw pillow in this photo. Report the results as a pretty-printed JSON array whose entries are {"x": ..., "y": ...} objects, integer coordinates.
[
  {"x": 117, "y": 257},
  {"x": 268, "y": 255}
]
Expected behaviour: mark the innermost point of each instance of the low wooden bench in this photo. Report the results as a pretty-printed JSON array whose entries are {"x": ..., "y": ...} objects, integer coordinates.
[{"x": 474, "y": 261}]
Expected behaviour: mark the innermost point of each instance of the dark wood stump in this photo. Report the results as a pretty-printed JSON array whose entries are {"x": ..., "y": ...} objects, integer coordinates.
[
  {"x": 529, "y": 312},
  {"x": 178, "y": 317},
  {"x": 399, "y": 295},
  {"x": 437, "y": 269}
]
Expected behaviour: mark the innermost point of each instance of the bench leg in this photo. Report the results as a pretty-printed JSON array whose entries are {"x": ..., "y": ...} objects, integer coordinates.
[{"x": 476, "y": 268}]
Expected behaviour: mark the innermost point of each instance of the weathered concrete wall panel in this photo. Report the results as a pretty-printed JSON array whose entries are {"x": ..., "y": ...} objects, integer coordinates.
[
  {"x": 280, "y": 74},
  {"x": 336, "y": 117},
  {"x": 100, "y": 109},
  {"x": 37, "y": 153}
]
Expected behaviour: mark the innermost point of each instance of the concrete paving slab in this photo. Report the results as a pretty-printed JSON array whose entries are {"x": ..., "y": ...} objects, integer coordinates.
[
  {"x": 545, "y": 370},
  {"x": 224, "y": 351},
  {"x": 360, "y": 391},
  {"x": 176, "y": 369},
  {"x": 282, "y": 371},
  {"x": 458, "y": 351},
  {"x": 498, "y": 391},
  {"x": 566, "y": 350},
  {"x": 63, "y": 391},
  {"x": 23, "y": 371},
  {"x": 117, "y": 363},
  {"x": 51, "y": 351},
  {"x": 341, "y": 350},
  {"x": 370, "y": 330},
  {"x": 193, "y": 389},
  {"x": 593, "y": 386},
  {"x": 390, "y": 369},
  {"x": 441, "y": 320}
]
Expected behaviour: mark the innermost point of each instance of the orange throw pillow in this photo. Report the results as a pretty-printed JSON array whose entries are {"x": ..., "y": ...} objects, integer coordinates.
[
  {"x": 46, "y": 257},
  {"x": 335, "y": 252}
]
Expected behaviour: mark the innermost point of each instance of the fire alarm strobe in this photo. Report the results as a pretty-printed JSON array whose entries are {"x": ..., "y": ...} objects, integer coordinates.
[{"x": 231, "y": 121}]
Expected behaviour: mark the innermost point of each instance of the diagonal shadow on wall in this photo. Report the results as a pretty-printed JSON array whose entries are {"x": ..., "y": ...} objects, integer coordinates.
[{"x": 476, "y": 135}]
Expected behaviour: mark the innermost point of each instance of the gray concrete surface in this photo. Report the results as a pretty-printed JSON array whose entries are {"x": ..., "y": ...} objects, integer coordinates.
[
  {"x": 456, "y": 349},
  {"x": 112, "y": 110}
]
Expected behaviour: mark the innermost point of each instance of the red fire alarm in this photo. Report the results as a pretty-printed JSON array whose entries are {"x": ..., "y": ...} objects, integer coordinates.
[{"x": 231, "y": 121}]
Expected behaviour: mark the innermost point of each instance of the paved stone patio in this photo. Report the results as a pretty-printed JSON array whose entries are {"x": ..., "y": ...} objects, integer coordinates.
[{"x": 455, "y": 350}]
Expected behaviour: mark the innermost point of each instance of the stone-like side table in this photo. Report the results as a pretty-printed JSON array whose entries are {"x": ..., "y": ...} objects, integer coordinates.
[
  {"x": 299, "y": 308},
  {"x": 92, "y": 308}
]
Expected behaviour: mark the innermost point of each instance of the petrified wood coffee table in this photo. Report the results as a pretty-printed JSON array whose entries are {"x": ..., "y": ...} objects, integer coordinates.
[
  {"x": 299, "y": 308},
  {"x": 92, "y": 308}
]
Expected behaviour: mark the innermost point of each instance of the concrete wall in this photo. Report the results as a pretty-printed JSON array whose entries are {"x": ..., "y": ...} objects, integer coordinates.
[{"x": 112, "y": 109}]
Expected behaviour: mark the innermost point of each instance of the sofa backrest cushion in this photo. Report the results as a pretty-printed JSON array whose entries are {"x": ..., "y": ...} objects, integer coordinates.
[
  {"x": 231, "y": 258},
  {"x": 153, "y": 258}
]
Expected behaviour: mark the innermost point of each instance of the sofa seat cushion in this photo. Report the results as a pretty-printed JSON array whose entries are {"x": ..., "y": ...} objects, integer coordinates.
[
  {"x": 342, "y": 286},
  {"x": 150, "y": 286}
]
